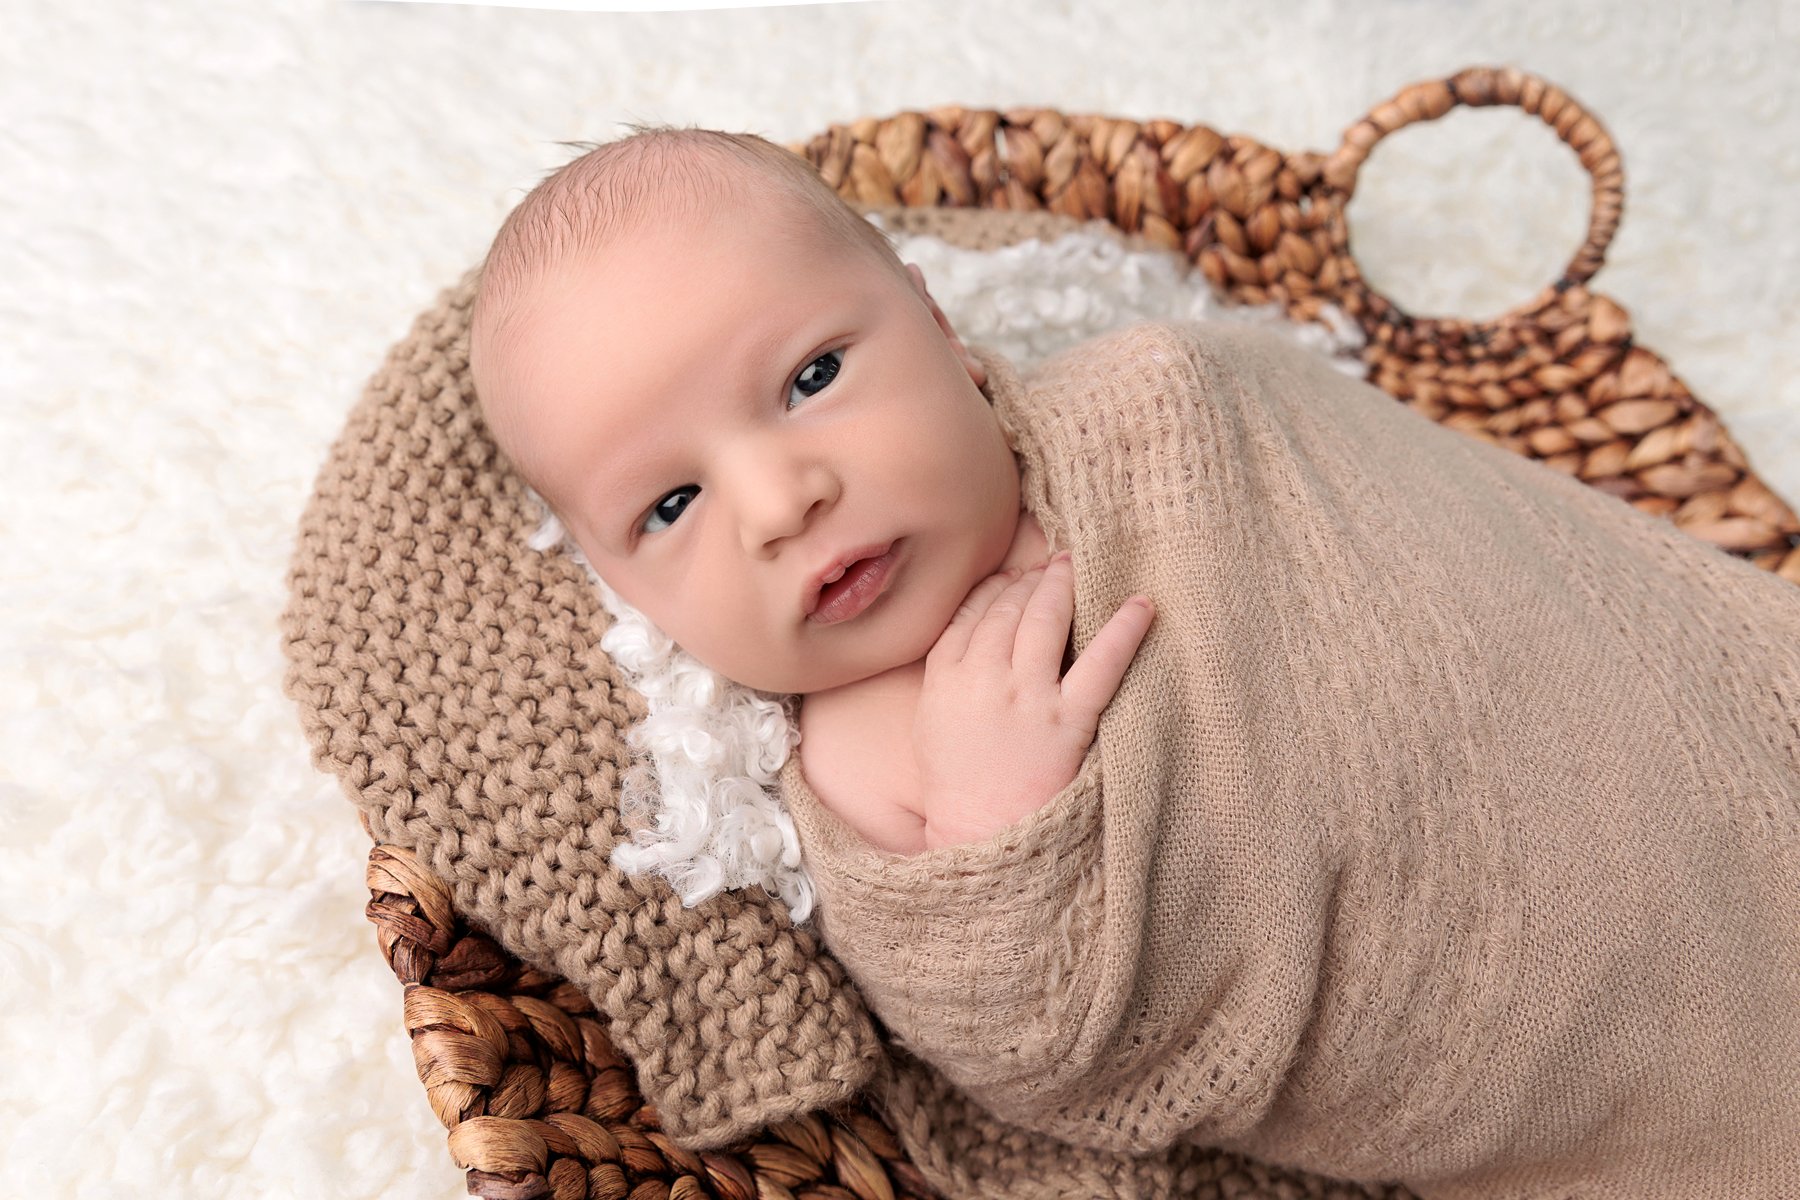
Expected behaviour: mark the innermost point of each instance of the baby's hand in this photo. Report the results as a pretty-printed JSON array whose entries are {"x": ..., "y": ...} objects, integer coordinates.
[{"x": 996, "y": 734}]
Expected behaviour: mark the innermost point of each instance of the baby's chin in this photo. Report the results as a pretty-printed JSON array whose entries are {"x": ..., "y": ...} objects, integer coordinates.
[{"x": 898, "y": 670}]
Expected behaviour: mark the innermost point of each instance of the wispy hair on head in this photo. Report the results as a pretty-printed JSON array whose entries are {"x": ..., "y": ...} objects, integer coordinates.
[{"x": 658, "y": 173}]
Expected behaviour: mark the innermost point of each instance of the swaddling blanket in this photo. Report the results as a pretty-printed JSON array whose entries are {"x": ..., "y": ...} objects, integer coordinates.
[{"x": 1446, "y": 827}]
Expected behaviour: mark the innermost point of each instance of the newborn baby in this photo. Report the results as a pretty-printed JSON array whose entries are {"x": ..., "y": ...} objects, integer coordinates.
[
  {"x": 763, "y": 433},
  {"x": 1443, "y": 828}
]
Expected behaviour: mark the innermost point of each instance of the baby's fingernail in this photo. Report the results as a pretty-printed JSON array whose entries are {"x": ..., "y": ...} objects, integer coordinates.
[{"x": 1063, "y": 556}]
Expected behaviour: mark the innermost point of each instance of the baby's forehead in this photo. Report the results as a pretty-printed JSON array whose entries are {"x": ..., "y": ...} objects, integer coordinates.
[
  {"x": 578, "y": 275},
  {"x": 566, "y": 276}
]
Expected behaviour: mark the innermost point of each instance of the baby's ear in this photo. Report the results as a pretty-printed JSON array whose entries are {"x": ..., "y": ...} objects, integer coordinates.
[{"x": 970, "y": 363}]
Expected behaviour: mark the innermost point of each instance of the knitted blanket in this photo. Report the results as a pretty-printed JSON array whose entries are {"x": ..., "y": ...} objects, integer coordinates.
[{"x": 1446, "y": 827}]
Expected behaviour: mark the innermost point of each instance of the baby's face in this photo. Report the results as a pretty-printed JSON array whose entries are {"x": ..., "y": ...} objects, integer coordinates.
[{"x": 719, "y": 410}]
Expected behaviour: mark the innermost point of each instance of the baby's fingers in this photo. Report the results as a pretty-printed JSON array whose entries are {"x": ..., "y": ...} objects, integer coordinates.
[
  {"x": 953, "y": 643},
  {"x": 1044, "y": 631},
  {"x": 998, "y": 631},
  {"x": 1094, "y": 678}
]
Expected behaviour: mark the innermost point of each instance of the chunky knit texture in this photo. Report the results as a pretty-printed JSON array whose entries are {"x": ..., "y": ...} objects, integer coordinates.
[
  {"x": 451, "y": 678},
  {"x": 1446, "y": 827}
]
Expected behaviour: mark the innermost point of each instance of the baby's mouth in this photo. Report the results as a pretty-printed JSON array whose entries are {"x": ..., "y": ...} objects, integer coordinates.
[
  {"x": 841, "y": 584},
  {"x": 861, "y": 584}
]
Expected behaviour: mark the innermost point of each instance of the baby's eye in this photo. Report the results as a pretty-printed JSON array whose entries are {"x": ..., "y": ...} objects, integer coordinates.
[
  {"x": 816, "y": 375},
  {"x": 656, "y": 510},
  {"x": 813, "y": 378}
]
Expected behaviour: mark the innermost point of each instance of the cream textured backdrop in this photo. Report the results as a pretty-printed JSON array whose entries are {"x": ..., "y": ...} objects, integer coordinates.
[{"x": 217, "y": 215}]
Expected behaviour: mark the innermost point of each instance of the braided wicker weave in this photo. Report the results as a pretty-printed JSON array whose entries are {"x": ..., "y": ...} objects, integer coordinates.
[{"x": 515, "y": 1062}]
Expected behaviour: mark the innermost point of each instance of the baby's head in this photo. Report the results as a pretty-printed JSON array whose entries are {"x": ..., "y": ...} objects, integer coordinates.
[{"x": 721, "y": 379}]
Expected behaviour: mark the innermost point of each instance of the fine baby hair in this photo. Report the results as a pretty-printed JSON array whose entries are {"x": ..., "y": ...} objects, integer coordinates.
[{"x": 657, "y": 173}]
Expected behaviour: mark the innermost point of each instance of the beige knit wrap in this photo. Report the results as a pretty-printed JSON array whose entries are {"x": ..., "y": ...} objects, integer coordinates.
[{"x": 1446, "y": 826}]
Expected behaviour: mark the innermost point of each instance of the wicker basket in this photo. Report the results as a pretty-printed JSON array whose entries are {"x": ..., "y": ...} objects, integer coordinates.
[{"x": 516, "y": 1063}]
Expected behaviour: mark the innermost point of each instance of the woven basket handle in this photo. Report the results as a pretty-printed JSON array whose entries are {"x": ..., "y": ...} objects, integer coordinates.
[{"x": 1479, "y": 87}]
